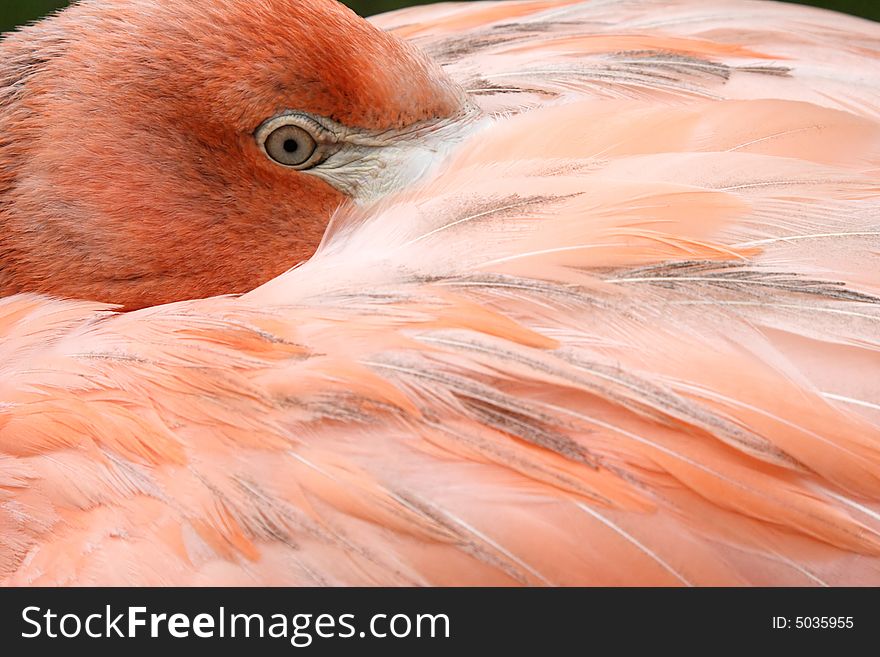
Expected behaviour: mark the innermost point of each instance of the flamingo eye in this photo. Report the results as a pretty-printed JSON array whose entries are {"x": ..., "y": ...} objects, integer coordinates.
[
  {"x": 291, "y": 146},
  {"x": 292, "y": 141}
]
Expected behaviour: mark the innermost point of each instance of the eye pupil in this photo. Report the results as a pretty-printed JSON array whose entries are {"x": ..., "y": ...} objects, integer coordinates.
[{"x": 291, "y": 145}]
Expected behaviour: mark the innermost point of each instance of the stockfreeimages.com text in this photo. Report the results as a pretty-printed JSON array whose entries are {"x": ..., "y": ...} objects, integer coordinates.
[{"x": 300, "y": 629}]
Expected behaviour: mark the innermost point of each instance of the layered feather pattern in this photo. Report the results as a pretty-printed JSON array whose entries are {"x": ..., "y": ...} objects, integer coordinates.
[{"x": 629, "y": 333}]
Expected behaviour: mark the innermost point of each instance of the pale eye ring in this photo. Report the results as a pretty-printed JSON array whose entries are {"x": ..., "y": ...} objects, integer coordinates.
[{"x": 289, "y": 141}]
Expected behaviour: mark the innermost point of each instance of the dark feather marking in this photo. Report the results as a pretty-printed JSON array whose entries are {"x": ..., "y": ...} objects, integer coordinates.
[
  {"x": 675, "y": 406},
  {"x": 323, "y": 531},
  {"x": 651, "y": 400},
  {"x": 639, "y": 67},
  {"x": 504, "y": 207},
  {"x": 508, "y": 457},
  {"x": 264, "y": 506},
  {"x": 734, "y": 276},
  {"x": 503, "y": 412},
  {"x": 466, "y": 539},
  {"x": 563, "y": 292},
  {"x": 688, "y": 65},
  {"x": 479, "y": 86},
  {"x": 778, "y": 71},
  {"x": 340, "y": 407},
  {"x": 667, "y": 65},
  {"x": 520, "y": 426},
  {"x": 455, "y": 47}
]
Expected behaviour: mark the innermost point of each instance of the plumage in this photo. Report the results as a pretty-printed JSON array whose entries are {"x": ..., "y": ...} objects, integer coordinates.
[{"x": 627, "y": 333}]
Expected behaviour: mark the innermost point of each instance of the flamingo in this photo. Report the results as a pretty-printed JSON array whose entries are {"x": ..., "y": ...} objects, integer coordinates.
[{"x": 548, "y": 292}]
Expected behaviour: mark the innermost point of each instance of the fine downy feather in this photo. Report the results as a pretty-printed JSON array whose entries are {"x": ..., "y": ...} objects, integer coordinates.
[{"x": 628, "y": 336}]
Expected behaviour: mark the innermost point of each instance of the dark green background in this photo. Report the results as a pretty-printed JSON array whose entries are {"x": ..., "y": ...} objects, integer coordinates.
[{"x": 16, "y": 12}]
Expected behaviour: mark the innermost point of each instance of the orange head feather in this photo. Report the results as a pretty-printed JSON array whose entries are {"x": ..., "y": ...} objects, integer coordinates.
[{"x": 132, "y": 169}]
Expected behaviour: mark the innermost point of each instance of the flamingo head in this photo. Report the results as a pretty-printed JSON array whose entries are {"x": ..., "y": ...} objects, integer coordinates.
[{"x": 155, "y": 150}]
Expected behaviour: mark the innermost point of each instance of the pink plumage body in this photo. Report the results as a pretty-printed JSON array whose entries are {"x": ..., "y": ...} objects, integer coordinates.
[{"x": 626, "y": 333}]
